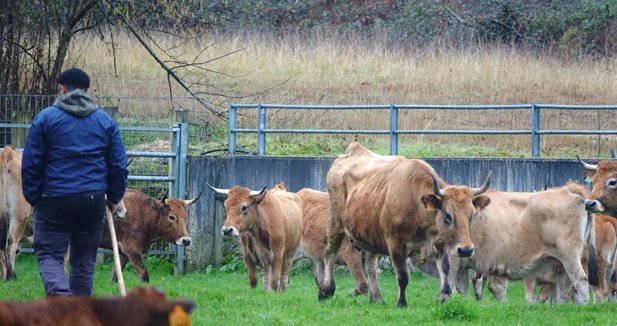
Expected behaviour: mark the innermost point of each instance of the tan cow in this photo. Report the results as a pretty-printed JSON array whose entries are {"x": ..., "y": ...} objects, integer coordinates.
[
  {"x": 14, "y": 209},
  {"x": 141, "y": 307},
  {"x": 271, "y": 222},
  {"x": 544, "y": 241},
  {"x": 391, "y": 205},
  {"x": 315, "y": 213},
  {"x": 147, "y": 220}
]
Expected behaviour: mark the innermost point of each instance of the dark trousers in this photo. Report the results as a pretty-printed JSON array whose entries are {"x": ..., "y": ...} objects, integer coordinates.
[{"x": 60, "y": 223}]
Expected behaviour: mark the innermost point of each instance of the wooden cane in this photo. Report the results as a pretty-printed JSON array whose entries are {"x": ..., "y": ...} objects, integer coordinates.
[{"x": 114, "y": 246}]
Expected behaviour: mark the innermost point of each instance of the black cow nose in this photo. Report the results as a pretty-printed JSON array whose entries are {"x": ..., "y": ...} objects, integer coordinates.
[
  {"x": 590, "y": 205},
  {"x": 186, "y": 242},
  {"x": 227, "y": 231},
  {"x": 464, "y": 251}
]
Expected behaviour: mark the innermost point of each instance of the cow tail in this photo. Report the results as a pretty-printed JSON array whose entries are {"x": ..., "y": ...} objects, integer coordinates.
[
  {"x": 4, "y": 230},
  {"x": 593, "y": 274}
]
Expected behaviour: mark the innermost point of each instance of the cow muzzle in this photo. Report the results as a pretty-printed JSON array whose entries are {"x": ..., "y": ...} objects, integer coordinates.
[
  {"x": 229, "y": 230},
  {"x": 464, "y": 251},
  {"x": 594, "y": 206},
  {"x": 184, "y": 241}
]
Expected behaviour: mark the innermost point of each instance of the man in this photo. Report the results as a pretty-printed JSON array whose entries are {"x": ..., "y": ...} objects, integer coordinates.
[{"x": 73, "y": 159}]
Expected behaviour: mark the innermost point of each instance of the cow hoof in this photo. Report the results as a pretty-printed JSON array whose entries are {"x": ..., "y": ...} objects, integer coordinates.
[
  {"x": 361, "y": 290},
  {"x": 10, "y": 276},
  {"x": 443, "y": 298}
]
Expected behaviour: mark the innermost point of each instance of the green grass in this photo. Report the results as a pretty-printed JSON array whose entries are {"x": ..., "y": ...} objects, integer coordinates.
[{"x": 224, "y": 298}]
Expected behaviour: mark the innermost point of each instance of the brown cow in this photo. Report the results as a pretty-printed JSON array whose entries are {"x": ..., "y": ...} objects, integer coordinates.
[
  {"x": 147, "y": 220},
  {"x": 141, "y": 307},
  {"x": 534, "y": 235},
  {"x": 14, "y": 209},
  {"x": 391, "y": 205},
  {"x": 603, "y": 196},
  {"x": 315, "y": 212},
  {"x": 271, "y": 222}
]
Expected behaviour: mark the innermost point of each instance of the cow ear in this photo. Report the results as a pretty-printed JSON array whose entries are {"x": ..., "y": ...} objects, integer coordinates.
[
  {"x": 480, "y": 202},
  {"x": 431, "y": 202}
]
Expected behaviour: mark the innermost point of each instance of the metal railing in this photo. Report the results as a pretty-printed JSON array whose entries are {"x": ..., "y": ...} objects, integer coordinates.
[
  {"x": 535, "y": 131},
  {"x": 176, "y": 175}
]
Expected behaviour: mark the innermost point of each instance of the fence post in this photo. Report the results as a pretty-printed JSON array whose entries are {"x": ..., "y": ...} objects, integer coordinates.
[
  {"x": 261, "y": 135},
  {"x": 182, "y": 116},
  {"x": 535, "y": 127},
  {"x": 393, "y": 129},
  {"x": 18, "y": 135},
  {"x": 232, "y": 130},
  {"x": 179, "y": 189}
]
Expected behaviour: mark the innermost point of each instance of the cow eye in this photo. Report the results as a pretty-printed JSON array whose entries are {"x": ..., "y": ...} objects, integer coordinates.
[
  {"x": 172, "y": 218},
  {"x": 448, "y": 218},
  {"x": 612, "y": 183},
  {"x": 244, "y": 209}
]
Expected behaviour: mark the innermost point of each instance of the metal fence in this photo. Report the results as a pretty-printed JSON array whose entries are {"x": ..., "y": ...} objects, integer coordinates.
[
  {"x": 533, "y": 122},
  {"x": 157, "y": 166}
]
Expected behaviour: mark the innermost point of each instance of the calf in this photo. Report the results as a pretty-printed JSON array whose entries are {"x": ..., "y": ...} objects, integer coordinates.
[
  {"x": 147, "y": 220},
  {"x": 141, "y": 307},
  {"x": 14, "y": 209},
  {"x": 270, "y": 221},
  {"x": 315, "y": 213}
]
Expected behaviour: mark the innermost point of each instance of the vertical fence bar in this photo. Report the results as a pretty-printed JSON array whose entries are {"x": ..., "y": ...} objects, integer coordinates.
[
  {"x": 535, "y": 127},
  {"x": 393, "y": 129},
  {"x": 261, "y": 135},
  {"x": 180, "y": 182},
  {"x": 232, "y": 130}
]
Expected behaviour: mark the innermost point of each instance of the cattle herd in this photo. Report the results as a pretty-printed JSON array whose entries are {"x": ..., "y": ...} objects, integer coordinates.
[{"x": 562, "y": 240}]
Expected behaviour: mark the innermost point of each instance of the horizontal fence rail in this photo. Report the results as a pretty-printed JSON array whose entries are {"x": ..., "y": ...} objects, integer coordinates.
[{"x": 534, "y": 131}]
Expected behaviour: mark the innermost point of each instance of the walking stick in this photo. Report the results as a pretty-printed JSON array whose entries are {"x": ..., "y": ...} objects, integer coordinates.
[{"x": 114, "y": 246}]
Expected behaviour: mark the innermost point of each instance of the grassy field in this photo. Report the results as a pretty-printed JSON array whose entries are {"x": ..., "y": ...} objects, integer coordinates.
[
  {"x": 322, "y": 70},
  {"x": 224, "y": 298}
]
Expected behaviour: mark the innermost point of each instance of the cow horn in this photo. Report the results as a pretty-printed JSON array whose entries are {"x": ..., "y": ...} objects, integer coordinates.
[
  {"x": 164, "y": 198},
  {"x": 477, "y": 191},
  {"x": 192, "y": 201},
  {"x": 255, "y": 193},
  {"x": 587, "y": 166},
  {"x": 438, "y": 191},
  {"x": 219, "y": 190}
]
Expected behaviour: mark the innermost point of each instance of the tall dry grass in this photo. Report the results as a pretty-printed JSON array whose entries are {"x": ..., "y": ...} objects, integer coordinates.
[{"x": 323, "y": 70}]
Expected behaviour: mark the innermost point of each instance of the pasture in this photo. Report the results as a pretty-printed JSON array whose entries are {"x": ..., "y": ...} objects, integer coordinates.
[{"x": 223, "y": 297}]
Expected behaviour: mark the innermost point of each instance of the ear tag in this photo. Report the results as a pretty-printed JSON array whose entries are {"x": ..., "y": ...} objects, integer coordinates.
[
  {"x": 588, "y": 179},
  {"x": 179, "y": 317}
]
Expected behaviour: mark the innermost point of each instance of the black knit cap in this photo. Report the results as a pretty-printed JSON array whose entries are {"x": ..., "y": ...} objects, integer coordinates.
[{"x": 75, "y": 77}]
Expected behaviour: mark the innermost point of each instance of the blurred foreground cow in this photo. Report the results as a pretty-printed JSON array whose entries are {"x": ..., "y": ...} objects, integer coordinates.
[
  {"x": 148, "y": 220},
  {"x": 538, "y": 236},
  {"x": 141, "y": 307},
  {"x": 14, "y": 209},
  {"x": 269, "y": 223},
  {"x": 391, "y": 205},
  {"x": 315, "y": 213}
]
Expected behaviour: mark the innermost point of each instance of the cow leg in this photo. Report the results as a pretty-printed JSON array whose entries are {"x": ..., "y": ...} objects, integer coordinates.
[
  {"x": 354, "y": 263},
  {"x": 398, "y": 258},
  {"x": 16, "y": 231},
  {"x": 600, "y": 291},
  {"x": 336, "y": 235},
  {"x": 3, "y": 267},
  {"x": 555, "y": 295},
  {"x": 287, "y": 262},
  {"x": 498, "y": 287},
  {"x": 123, "y": 260},
  {"x": 370, "y": 268},
  {"x": 266, "y": 268},
  {"x": 478, "y": 280},
  {"x": 248, "y": 254},
  {"x": 613, "y": 286},
  {"x": 576, "y": 273},
  {"x": 137, "y": 261},
  {"x": 443, "y": 266},
  {"x": 530, "y": 290}
]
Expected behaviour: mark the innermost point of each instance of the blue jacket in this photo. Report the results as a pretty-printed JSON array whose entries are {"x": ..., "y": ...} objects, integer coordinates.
[{"x": 73, "y": 148}]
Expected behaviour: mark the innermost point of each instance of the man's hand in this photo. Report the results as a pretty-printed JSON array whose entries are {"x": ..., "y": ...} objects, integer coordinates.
[{"x": 117, "y": 210}]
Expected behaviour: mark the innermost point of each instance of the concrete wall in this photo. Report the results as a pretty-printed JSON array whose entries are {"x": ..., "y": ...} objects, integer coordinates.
[{"x": 207, "y": 216}]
